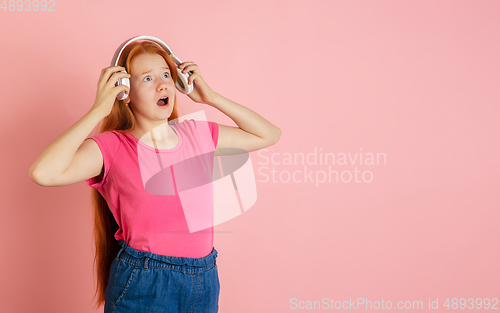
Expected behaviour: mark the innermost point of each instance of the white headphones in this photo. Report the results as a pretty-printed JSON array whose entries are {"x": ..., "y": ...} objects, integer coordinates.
[{"x": 182, "y": 78}]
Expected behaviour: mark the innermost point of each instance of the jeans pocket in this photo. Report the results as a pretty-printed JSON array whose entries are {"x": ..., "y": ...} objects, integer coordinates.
[{"x": 125, "y": 275}]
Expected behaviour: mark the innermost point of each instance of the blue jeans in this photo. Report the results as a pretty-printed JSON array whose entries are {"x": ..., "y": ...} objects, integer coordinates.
[{"x": 147, "y": 282}]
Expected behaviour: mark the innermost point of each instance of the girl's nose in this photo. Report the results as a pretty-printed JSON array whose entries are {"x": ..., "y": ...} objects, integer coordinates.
[{"x": 162, "y": 86}]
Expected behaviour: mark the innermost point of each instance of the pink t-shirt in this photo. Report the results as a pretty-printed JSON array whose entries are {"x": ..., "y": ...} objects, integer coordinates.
[{"x": 162, "y": 200}]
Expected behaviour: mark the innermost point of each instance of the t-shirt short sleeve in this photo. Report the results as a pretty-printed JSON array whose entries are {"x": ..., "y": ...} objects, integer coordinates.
[
  {"x": 214, "y": 129},
  {"x": 109, "y": 143}
]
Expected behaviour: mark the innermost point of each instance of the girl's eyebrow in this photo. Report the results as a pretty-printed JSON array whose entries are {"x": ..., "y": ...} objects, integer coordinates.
[{"x": 151, "y": 70}]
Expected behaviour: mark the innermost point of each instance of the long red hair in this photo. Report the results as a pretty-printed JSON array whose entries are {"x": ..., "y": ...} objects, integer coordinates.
[{"x": 120, "y": 119}]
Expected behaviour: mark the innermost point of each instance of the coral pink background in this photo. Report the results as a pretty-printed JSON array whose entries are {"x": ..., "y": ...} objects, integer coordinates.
[{"x": 415, "y": 80}]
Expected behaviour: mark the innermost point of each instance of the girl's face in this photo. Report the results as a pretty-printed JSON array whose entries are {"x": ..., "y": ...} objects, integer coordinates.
[{"x": 151, "y": 80}]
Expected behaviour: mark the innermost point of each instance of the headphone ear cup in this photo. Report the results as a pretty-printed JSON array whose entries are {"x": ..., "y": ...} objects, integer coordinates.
[
  {"x": 123, "y": 81},
  {"x": 182, "y": 82}
]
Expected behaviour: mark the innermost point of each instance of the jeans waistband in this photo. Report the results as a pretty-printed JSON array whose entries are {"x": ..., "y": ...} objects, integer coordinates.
[{"x": 148, "y": 259}]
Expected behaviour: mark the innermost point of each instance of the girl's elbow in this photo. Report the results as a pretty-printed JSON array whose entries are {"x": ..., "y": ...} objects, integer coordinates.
[{"x": 277, "y": 136}]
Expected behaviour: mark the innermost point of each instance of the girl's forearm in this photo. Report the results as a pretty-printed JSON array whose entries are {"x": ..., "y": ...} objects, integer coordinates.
[
  {"x": 245, "y": 118},
  {"x": 58, "y": 155}
]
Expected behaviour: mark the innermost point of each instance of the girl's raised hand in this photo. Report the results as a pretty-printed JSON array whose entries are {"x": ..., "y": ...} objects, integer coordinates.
[
  {"x": 201, "y": 93},
  {"x": 107, "y": 91}
]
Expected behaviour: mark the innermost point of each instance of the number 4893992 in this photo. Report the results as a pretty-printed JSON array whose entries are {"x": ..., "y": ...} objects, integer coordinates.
[{"x": 27, "y": 5}]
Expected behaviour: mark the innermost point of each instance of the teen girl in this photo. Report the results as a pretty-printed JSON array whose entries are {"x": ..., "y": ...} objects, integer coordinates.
[{"x": 147, "y": 259}]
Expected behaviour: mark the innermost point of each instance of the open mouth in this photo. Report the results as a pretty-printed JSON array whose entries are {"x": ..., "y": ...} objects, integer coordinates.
[{"x": 163, "y": 101}]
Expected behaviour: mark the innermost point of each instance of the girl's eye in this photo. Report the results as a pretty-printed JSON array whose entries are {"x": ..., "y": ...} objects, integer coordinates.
[{"x": 166, "y": 73}]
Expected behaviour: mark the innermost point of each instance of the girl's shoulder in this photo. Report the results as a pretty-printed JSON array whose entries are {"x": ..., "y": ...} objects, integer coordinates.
[
  {"x": 109, "y": 141},
  {"x": 109, "y": 135}
]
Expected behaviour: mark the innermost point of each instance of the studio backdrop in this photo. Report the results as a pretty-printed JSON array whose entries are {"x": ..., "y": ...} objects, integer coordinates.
[{"x": 381, "y": 194}]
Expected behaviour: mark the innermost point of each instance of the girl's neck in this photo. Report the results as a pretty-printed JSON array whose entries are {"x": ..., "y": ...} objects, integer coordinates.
[{"x": 162, "y": 136}]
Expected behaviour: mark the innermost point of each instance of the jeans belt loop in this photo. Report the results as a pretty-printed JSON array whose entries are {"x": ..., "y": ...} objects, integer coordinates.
[{"x": 120, "y": 252}]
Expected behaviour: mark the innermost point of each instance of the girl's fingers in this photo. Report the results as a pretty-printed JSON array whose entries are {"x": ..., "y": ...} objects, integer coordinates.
[
  {"x": 188, "y": 67},
  {"x": 192, "y": 68},
  {"x": 184, "y": 64},
  {"x": 192, "y": 77},
  {"x": 113, "y": 69},
  {"x": 107, "y": 72},
  {"x": 115, "y": 76}
]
